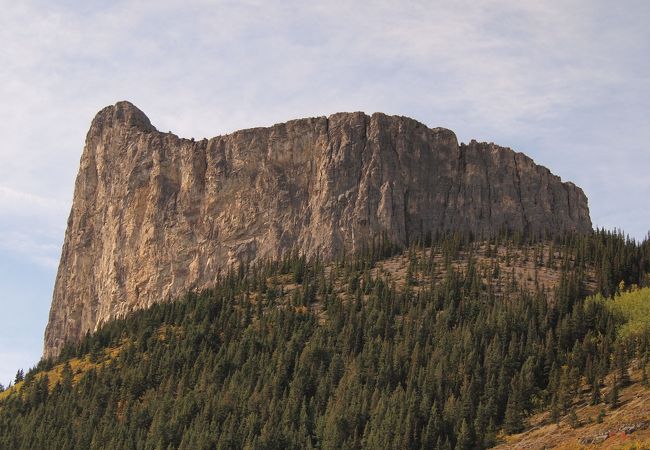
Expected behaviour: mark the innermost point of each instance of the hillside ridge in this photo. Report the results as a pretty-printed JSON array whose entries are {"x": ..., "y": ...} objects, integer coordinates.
[{"x": 459, "y": 343}]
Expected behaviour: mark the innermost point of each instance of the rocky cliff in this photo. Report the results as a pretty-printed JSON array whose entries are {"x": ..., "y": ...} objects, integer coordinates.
[{"x": 154, "y": 215}]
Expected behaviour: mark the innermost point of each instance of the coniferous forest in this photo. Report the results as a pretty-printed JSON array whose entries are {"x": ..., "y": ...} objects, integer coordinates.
[{"x": 302, "y": 353}]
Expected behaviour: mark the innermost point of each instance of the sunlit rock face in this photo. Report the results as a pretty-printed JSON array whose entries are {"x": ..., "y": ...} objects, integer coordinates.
[{"x": 154, "y": 215}]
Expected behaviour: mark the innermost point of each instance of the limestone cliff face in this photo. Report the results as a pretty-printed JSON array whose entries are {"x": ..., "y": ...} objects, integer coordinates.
[{"x": 154, "y": 215}]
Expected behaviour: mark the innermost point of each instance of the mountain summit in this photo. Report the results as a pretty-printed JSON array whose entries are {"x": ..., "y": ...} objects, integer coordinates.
[{"x": 155, "y": 215}]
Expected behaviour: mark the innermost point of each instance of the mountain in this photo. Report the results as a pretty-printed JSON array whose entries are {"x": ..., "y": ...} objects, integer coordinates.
[{"x": 155, "y": 215}]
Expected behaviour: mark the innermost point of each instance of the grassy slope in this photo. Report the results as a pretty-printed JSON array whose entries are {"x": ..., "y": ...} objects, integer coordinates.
[{"x": 635, "y": 408}]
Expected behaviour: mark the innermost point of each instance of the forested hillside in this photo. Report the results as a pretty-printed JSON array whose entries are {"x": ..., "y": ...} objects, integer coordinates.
[{"x": 454, "y": 346}]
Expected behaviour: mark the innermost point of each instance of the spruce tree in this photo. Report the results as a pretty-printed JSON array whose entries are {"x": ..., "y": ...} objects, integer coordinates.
[
  {"x": 613, "y": 395},
  {"x": 513, "y": 420},
  {"x": 465, "y": 440},
  {"x": 573, "y": 419}
]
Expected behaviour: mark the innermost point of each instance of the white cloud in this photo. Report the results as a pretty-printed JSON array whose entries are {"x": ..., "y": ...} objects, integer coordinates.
[
  {"x": 43, "y": 252},
  {"x": 32, "y": 226},
  {"x": 16, "y": 202},
  {"x": 566, "y": 81}
]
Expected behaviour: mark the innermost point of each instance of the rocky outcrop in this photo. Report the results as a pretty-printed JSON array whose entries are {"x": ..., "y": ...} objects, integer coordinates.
[{"x": 154, "y": 215}]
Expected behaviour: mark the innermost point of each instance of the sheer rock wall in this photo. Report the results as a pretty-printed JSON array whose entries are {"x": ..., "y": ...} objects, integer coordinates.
[{"x": 154, "y": 215}]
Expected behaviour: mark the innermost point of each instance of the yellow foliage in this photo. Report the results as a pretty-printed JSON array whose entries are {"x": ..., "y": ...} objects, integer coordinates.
[
  {"x": 79, "y": 367},
  {"x": 15, "y": 388},
  {"x": 634, "y": 306}
]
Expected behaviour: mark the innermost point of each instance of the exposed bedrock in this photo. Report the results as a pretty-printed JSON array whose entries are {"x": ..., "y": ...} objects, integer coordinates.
[{"x": 154, "y": 215}]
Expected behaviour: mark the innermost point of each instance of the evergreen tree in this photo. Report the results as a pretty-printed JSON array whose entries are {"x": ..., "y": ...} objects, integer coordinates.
[
  {"x": 613, "y": 395},
  {"x": 465, "y": 439},
  {"x": 513, "y": 420},
  {"x": 573, "y": 419}
]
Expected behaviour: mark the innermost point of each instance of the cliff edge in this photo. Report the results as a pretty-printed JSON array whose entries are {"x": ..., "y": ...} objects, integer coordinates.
[{"x": 154, "y": 215}]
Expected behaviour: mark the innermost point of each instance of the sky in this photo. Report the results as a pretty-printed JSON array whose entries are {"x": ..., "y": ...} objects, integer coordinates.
[{"x": 566, "y": 82}]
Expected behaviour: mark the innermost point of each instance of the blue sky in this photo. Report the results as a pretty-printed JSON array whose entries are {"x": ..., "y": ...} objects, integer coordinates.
[{"x": 567, "y": 82}]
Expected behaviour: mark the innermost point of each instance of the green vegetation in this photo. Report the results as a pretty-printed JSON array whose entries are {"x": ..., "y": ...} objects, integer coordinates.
[
  {"x": 344, "y": 360},
  {"x": 634, "y": 307}
]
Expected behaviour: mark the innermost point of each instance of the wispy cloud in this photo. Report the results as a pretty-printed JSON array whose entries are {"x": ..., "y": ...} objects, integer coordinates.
[
  {"x": 16, "y": 202},
  {"x": 566, "y": 81},
  {"x": 32, "y": 226},
  {"x": 41, "y": 251}
]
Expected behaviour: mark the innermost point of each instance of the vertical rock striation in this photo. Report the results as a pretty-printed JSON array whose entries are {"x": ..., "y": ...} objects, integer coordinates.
[{"x": 154, "y": 215}]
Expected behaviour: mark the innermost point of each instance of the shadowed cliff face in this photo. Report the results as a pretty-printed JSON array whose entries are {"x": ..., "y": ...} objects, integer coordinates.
[{"x": 154, "y": 215}]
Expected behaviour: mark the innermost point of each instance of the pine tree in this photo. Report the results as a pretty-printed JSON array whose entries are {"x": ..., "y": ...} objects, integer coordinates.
[
  {"x": 66, "y": 377},
  {"x": 596, "y": 396},
  {"x": 555, "y": 410},
  {"x": 513, "y": 420},
  {"x": 613, "y": 395},
  {"x": 564, "y": 392},
  {"x": 621, "y": 363},
  {"x": 464, "y": 440},
  {"x": 573, "y": 419}
]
